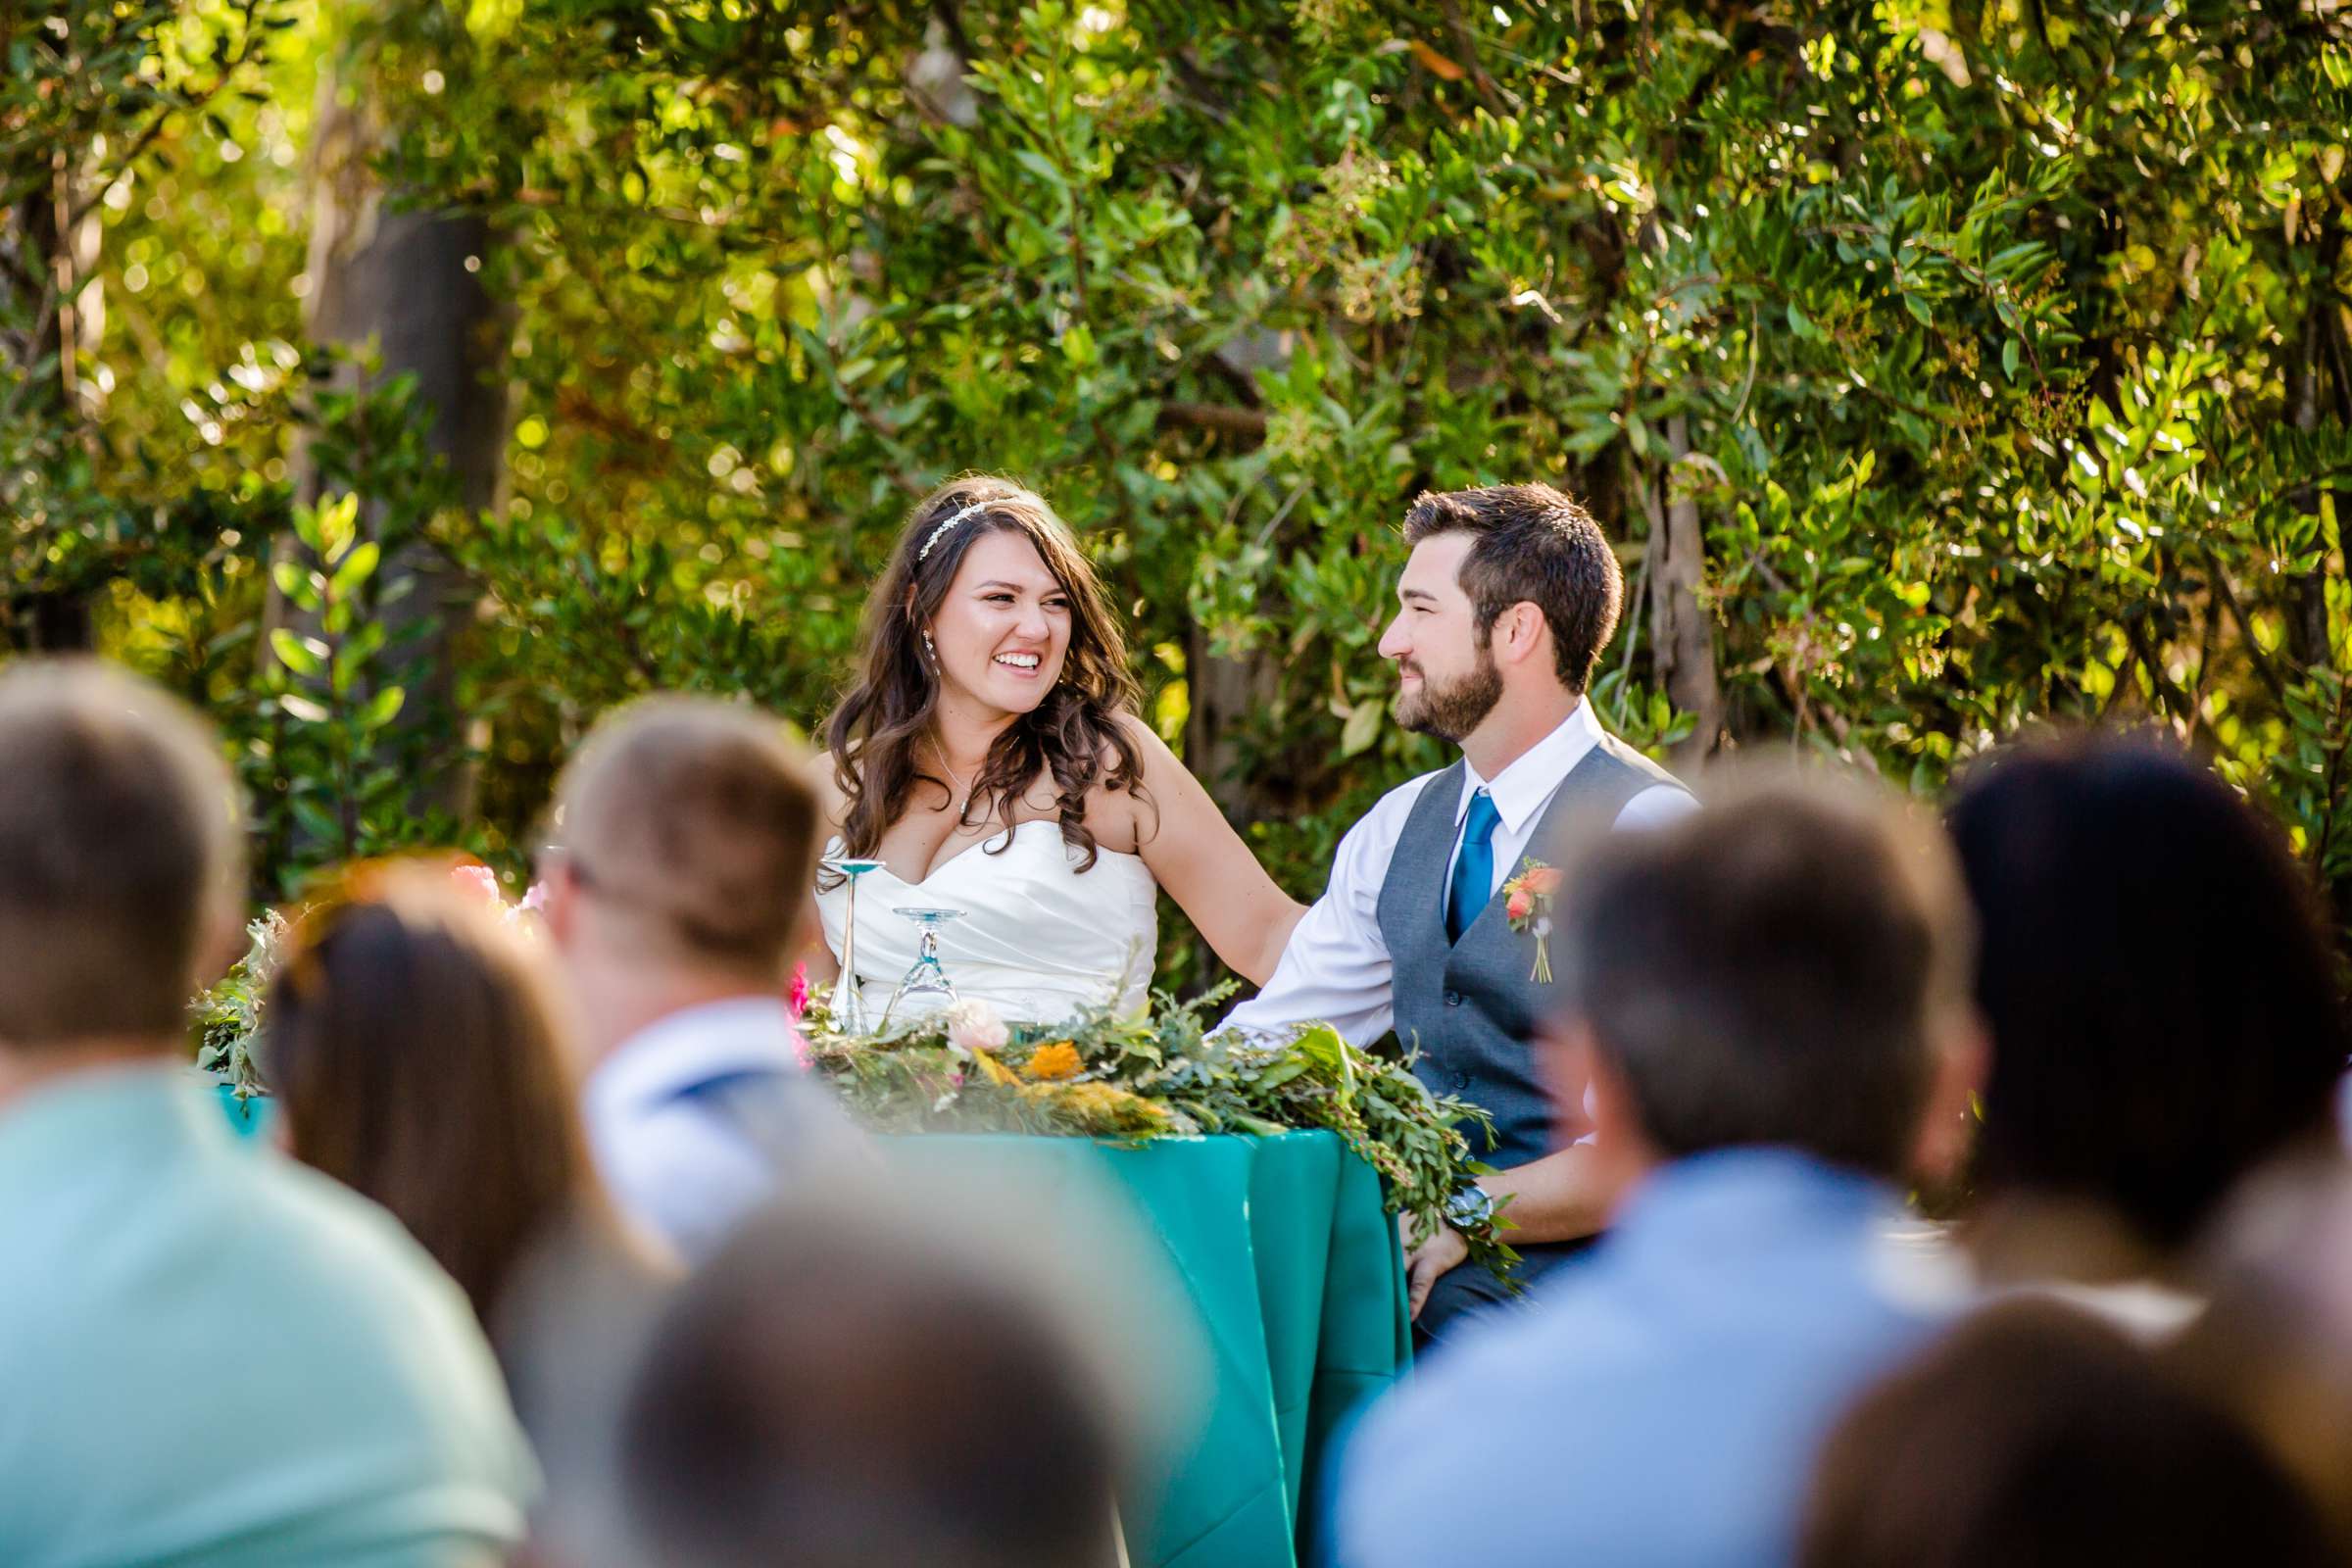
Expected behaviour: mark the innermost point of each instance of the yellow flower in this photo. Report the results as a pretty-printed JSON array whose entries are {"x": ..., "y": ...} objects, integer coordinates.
[
  {"x": 1103, "y": 1109},
  {"x": 1059, "y": 1060},
  {"x": 993, "y": 1070}
]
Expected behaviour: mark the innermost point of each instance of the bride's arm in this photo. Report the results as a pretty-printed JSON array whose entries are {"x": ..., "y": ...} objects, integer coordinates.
[{"x": 1204, "y": 865}]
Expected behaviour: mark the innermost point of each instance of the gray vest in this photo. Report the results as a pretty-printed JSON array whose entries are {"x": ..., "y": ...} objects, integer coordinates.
[{"x": 1471, "y": 1007}]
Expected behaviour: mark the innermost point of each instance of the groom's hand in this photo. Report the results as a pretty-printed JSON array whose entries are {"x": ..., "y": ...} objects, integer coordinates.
[{"x": 1427, "y": 1263}]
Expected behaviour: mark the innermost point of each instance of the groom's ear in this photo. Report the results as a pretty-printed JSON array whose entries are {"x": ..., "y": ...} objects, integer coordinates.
[{"x": 1521, "y": 633}]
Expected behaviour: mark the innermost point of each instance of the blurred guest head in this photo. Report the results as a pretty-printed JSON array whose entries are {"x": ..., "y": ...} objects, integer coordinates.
[
  {"x": 677, "y": 892},
  {"x": 688, "y": 841},
  {"x": 1786, "y": 967},
  {"x": 2158, "y": 990},
  {"x": 413, "y": 1048},
  {"x": 2035, "y": 1435},
  {"x": 2274, "y": 1342},
  {"x": 832, "y": 1389},
  {"x": 121, "y": 862}
]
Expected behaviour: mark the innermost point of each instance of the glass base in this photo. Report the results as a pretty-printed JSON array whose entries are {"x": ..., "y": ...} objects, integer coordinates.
[{"x": 848, "y": 1008}]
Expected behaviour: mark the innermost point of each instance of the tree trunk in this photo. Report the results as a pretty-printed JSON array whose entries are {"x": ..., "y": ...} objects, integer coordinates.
[
  {"x": 2307, "y": 389},
  {"x": 408, "y": 282},
  {"x": 1222, "y": 692},
  {"x": 49, "y": 313},
  {"x": 1681, "y": 632}
]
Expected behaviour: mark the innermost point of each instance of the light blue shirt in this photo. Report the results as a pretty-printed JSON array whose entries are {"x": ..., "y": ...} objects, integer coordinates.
[
  {"x": 210, "y": 1353},
  {"x": 1662, "y": 1403},
  {"x": 697, "y": 1118}
]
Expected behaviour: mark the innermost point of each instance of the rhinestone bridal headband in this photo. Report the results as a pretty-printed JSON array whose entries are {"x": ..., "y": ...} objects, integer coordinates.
[{"x": 953, "y": 517}]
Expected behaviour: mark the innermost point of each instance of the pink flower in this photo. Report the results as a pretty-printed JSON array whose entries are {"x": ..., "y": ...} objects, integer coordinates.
[
  {"x": 534, "y": 898},
  {"x": 796, "y": 994},
  {"x": 975, "y": 1026},
  {"x": 478, "y": 879},
  {"x": 1521, "y": 904},
  {"x": 799, "y": 1049},
  {"x": 1544, "y": 879}
]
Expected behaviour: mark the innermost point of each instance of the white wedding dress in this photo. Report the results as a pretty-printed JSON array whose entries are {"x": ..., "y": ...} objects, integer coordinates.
[{"x": 1038, "y": 941}]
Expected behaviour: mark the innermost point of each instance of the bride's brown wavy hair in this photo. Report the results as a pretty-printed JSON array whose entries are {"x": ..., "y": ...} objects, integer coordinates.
[{"x": 876, "y": 732}]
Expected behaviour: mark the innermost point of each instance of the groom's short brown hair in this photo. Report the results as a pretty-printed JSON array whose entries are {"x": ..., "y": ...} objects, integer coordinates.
[
  {"x": 121, "y": 854},
  {"x": 1536, "y": 546},
  {"x": 699, "y": 818}
]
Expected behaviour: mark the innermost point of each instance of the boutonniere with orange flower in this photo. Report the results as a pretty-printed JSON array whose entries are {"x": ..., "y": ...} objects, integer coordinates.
[{"x": 1527, "y": 901}]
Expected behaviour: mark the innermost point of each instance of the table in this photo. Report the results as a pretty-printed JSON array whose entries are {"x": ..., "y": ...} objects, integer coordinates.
[
  {"x": 250, "y": 1116},
  {"x": 1287, "y": 1257}
]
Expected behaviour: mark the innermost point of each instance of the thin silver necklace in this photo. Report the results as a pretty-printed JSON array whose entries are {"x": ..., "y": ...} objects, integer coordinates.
[{"x": 964, "y": 804}]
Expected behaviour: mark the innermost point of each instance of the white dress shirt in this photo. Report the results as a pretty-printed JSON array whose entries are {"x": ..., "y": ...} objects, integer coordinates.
[
  {"x": 1337, "y": 967},
  {"x": 680, "y": 1162}
]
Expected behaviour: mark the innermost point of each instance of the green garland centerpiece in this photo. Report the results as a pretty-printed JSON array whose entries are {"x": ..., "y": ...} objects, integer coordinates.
[
  {"x": 228, "y": 1016},
  {"x": 1122, "y": 1079},
  {"x": 1162, "y": 1074}
]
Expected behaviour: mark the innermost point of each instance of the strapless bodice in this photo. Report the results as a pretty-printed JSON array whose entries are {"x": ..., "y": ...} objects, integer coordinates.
[{"x": 1038, "y": 941}]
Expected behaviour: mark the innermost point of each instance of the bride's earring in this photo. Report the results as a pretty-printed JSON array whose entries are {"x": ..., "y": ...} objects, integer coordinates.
[{"x": 931, "y": 648}]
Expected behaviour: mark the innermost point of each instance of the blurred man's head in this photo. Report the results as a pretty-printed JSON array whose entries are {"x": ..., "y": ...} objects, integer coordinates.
[
  {"x": 2274, "y": 1341},
  {"x": 2037, "y": 1437},
  {"x": 1786, "y": 967},
  {"x": 834, "y": 1390},
  {"x": 688, "y": 837},
  {"x": 121, "y": 859},
  {"x": 2163, "y": 1004}
]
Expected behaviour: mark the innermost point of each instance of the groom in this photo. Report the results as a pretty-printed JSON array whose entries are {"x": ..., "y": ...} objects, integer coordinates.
[{"x": 1508, "y": 597}]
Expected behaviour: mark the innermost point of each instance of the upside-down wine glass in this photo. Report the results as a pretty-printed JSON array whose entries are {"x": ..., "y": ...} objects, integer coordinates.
[
  {"x": 926, "y": 981},
  {"x": 848, "y": 997}
]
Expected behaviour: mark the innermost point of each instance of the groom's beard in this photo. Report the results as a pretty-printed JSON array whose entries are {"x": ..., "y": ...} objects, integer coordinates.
[{"x": 1450, "y": 712}]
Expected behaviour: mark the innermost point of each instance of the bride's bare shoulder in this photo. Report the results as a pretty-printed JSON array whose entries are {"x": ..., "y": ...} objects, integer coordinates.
[
  {"x": 1150, "y": 751},
  {"x": 1125, "y": 819},
  {"x": 1158, "y": 766}
]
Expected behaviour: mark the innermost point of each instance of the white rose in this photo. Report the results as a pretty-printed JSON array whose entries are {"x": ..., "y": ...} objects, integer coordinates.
[{"x": 975, "y": 1026}]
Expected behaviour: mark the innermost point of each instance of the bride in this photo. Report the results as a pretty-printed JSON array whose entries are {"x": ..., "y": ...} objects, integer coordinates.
[{"x": 990, "y": 755}]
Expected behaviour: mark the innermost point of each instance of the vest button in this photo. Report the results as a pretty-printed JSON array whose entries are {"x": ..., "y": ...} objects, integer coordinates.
[
  {"x": 1453, "y": 999},
  {"x": 1461, "y": 1080}
]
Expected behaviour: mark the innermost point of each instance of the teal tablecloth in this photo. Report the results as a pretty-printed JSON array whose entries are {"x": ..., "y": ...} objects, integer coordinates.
[
  {"x": 1287, "y": 1260},
  {"x": 1291, "y": 1264},
  {"x": 250, "y": 1116}
]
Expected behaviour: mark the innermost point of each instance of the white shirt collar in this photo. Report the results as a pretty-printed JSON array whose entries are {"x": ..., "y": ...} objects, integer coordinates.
[
  {"x": 1521, "y": 790},
  {"x": 693, "y": 1046}
]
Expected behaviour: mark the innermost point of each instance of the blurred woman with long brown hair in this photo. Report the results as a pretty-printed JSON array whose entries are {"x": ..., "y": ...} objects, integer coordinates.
[
  {"x": 418, "y": 1054},
  {"x": 414, "y": 1047},
  {"x": 990, "y": 756}
]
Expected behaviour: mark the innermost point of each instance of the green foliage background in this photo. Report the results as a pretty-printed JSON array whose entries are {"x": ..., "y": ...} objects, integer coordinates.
[{"x": 2000, "y": 350}]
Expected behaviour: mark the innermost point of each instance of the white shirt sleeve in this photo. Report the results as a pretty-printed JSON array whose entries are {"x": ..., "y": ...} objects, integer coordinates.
[
  {"x": 1657, "y": 807},
  {"x": 1336, "y": 969}
]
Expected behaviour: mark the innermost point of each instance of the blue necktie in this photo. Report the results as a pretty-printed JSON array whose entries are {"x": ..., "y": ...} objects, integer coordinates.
[{"x": 1474, "y": 868}]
